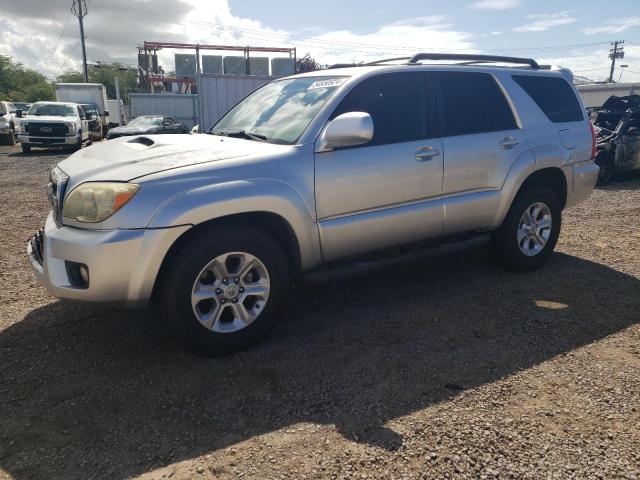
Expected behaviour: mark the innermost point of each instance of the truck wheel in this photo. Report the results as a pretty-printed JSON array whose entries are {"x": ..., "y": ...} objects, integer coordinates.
[
  {"x": 26, "y": 149},
  {"x": 222, "y": 291},
  {"x": 529, "y": 233},
  {"x": 78, "y": 144},
  {"x": 605, "y": 162}
]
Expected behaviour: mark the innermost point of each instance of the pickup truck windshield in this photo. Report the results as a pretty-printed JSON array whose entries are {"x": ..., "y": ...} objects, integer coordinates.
[
  {"x": 280, "y": 111},
  {"x": 53, "y": 110}
]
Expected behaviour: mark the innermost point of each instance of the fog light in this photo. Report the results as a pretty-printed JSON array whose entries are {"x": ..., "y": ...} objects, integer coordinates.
[
  {"x": 84, "y": 274},
  {"x": 78, "y": 274}
]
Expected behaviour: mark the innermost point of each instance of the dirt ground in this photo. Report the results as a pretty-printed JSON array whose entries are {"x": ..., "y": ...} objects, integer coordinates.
[{"x": 446, "y": 368}]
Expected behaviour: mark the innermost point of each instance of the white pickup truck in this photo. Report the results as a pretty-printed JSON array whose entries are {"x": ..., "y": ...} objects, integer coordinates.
[{"x": 54, "y": 124}]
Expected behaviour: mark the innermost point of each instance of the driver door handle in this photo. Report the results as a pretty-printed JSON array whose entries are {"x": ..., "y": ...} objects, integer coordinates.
[
  {"x": 509, "y": 142},
  {"x": 426, "y": 153}
]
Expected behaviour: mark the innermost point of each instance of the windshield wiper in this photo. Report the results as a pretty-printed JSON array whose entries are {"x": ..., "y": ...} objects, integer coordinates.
[{"x": 242, "y": 134}]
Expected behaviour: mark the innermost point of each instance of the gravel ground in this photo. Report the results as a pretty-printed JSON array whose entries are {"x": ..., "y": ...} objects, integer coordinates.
[{"x": 447, "y": 368}]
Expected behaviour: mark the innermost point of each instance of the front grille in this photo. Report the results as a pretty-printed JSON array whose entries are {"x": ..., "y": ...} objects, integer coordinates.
[
  {"x": 41, "y": 129},
  {"x": 55, "y": 191}
]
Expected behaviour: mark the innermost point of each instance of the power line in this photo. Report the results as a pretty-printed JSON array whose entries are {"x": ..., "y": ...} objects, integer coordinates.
[{"x": 59, "y": 38}]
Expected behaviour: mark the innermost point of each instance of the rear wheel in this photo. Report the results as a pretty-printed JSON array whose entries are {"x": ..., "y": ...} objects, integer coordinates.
[
  {"x": 222, "y": 290},
  {"x": 529, "y": 233}
]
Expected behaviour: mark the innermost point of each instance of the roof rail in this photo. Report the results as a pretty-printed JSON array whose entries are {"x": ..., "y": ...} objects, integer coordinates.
[
  {"x": 368, "y": 64},
  {"x": 471, "y": 57}
]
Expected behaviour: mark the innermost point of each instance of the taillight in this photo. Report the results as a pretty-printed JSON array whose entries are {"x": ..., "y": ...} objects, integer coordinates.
[{"x": 593, "y": 141}]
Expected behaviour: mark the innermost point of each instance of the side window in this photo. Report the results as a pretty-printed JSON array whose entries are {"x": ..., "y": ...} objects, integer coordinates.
[
  {"x": 473, "y": 102},
  {"x": 80, "y": 111},
  {"x": 396, "y": 103},
  {"x": 2, "y": 109},
  {"x": 12, "y": 108},
  {"x": 553, "y": 95}
]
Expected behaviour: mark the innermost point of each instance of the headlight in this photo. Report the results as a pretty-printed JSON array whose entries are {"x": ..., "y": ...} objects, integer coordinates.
[
  {"x": 72, "y": 128},
  {"x": 96, "y": 201}
]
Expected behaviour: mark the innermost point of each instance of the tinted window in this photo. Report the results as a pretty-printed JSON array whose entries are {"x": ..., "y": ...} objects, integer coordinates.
[
  {"x": 396, "y": 103},
  {"x": 2, "y": 109},
  {"x": 473, "y": 103},
  {"x": 553, "y": 95}
]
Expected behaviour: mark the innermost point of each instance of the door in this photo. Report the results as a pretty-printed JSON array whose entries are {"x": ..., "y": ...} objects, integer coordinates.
[
  {"x": 481, "y": 141},
  {"x": 84, "y": 123},
  {"x": 382, "y": 193}
]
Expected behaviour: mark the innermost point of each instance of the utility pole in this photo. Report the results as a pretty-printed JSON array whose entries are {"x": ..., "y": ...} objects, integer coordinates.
[
  {"x": 616, "y": 52},
  {"x": 79, "y": 9}
]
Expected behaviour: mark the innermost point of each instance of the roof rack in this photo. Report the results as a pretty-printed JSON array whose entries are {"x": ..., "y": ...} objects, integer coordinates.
[
  {"x": 470, "y": 57},
  {"x": 368, "y": 64}
]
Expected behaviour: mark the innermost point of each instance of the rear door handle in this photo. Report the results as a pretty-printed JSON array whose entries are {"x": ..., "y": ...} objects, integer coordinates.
[
  {"x": 509, "y": 142},
  {"x": 426, "y": 153}
]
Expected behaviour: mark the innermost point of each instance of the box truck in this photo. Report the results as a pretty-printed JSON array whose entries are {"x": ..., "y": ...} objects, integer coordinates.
[{"x": 87, "y": 93}]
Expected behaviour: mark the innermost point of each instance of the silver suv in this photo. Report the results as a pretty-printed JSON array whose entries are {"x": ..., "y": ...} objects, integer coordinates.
[{"x": 309, "y": 172}]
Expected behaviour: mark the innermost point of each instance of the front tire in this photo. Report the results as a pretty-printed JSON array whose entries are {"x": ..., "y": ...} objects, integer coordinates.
[
  {"x": 222, "y": 290},
  {"x": 604, "y": 160},
  {"x": 26, "y": 148},
  {"x": 529, "y": 233}
]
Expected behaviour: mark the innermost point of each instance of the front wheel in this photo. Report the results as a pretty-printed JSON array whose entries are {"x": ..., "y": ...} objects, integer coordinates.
[
  {"x": 223, "y": 289},
  {"x": 26, "y": 148},
  {"x": 529, "y": 233},
  {"x": 605, "y": 162}
]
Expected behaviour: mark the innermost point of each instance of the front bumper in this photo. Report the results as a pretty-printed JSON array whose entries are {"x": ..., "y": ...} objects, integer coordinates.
[
  {"x": 123, "y": 264},
  {"x": 26, "y": 139},
  {"x": 585, "y": 176}
]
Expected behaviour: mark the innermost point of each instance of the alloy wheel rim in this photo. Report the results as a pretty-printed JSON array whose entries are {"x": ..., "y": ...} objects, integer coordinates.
[
  {"x": 230, "y": 292},
  {"x": 534, "y": 229}
]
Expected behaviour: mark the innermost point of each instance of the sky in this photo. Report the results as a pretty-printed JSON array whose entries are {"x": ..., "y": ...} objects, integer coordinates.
[{"x": 44, "y": 35}]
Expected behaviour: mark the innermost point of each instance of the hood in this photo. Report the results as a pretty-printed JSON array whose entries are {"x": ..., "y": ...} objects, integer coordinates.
[
  {"x": 47, "y": 118},
  {"x": 126, "y": 158}
]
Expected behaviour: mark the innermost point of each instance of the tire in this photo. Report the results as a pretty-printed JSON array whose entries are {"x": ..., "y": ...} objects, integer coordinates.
[
  {"x": 78, "y": 144},
  {"x": 605, "y": 162},
  {"x": 26, "y": 149},
  {"x": 190, "y": 267},
  {"x": 7, "y": 140},
  {"x": 510, "y": 241}
]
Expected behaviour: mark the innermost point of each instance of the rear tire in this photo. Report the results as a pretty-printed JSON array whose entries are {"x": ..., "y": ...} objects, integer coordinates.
[
  {"x": 195, "y": 299},
  {"x": 605, "y": 162},
  {"x": 524, "y": 243}
]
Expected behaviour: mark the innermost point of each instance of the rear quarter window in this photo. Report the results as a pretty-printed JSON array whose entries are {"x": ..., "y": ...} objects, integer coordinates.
[{"x": 554, "y": 96}]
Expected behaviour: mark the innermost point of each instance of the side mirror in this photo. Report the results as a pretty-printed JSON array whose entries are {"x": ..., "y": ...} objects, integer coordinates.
[
  {"x": 347, "y": 130},
  {"x": 19, "y": 113},
  {"x": 166, "y": 123},
  {"x": 106, "y": 113}
]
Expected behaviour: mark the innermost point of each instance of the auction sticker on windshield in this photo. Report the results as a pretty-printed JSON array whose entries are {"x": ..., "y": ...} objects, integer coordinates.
[{"x": 329, "y": 82}]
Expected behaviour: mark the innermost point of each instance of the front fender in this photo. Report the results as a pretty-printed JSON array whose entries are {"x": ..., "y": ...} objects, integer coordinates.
[{"x": 245, "y": 196}]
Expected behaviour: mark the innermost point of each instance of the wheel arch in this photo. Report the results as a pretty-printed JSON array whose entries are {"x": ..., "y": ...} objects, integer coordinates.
[{"x": 275, "y": 225}]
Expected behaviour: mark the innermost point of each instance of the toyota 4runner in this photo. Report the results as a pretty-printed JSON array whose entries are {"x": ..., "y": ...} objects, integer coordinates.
[{"x": 309, "y": 172}]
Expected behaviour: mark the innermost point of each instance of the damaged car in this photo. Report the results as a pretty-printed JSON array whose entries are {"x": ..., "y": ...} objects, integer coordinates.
[{"x": 617, "y": 126}]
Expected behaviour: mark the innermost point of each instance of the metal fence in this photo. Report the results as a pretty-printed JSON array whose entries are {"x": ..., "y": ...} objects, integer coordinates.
[
  {"x": 221, "y": 92},
  {"x": 182, "y": 107},
  {"x": 218, "y": 93}
]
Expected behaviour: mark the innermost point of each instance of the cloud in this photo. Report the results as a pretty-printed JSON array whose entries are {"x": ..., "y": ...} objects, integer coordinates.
[
  {"x": 494, "y": 4},
  {"x": 617, "y": 25},
  {"x": 543, "y": 22},
  {"x": 594, "y": 64},
  {"x": 114, "y": 29}
]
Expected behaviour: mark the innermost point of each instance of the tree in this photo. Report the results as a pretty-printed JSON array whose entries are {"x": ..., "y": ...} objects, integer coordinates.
[
  {"x": 105, "y": 74},
  {"x": 307, "y": 64},
  {"x": 21, "y": 84}
]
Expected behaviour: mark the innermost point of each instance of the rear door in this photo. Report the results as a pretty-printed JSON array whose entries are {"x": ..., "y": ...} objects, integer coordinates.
[
  {"x": 559, "y": 103},
  {"x": 382, "y": 193},
  {"x": 481, "y": 140}
]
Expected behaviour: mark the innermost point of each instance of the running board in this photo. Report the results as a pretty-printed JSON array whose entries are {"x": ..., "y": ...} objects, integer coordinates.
[{"x": 325, "y": 273}]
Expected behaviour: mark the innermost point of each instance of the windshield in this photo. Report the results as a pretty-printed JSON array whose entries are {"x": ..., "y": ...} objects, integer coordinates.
[
  {"x": 89, "y": 108},
  {"x": 281, "y": 110},
  {"x": 52, "y": 109},
  {"x": 145, "y": 121}
]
